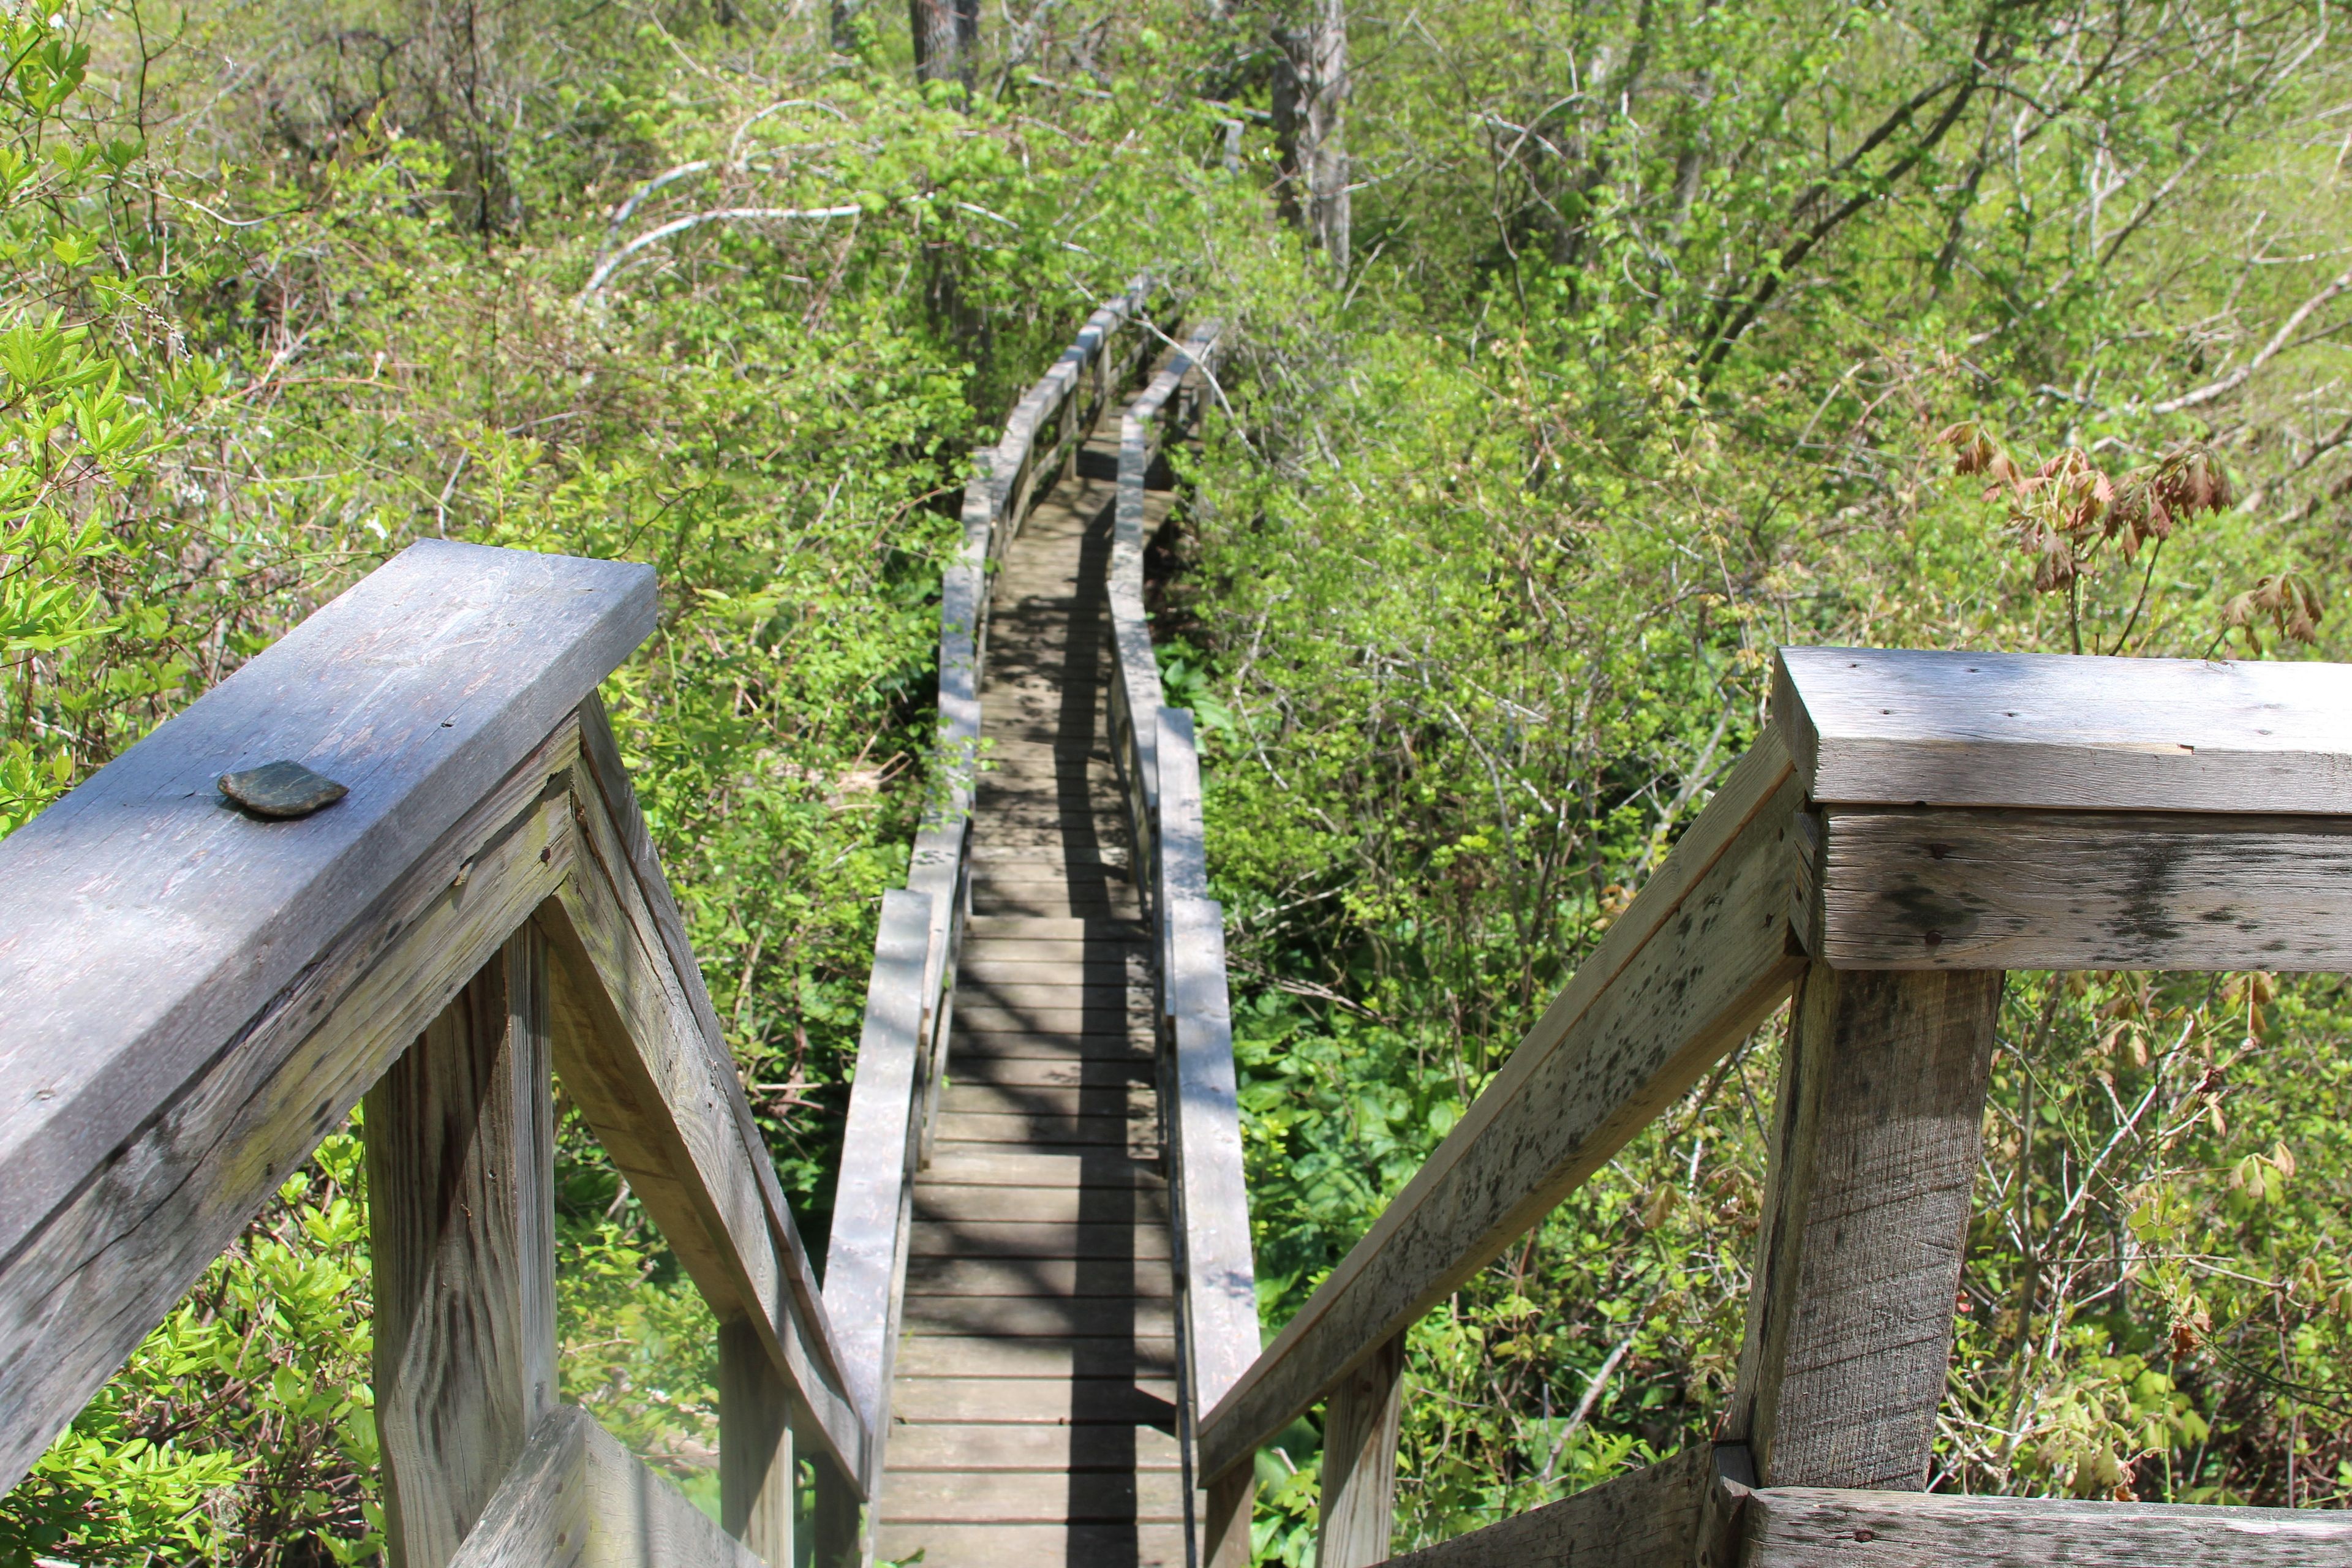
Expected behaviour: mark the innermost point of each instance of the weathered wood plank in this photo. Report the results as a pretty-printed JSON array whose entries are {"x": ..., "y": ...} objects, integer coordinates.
[
  {"x": 978, "y": 1447},
  {"x": 1648, "y": 1518},
  {"x": 1029, "y": 1545},
  {"x": 1877, "y": 1130},
  {"x": 2083, "y": 889},
  {"x": 82, "y": 1291},
  {"x": 1212, "y": 1194},
  {"x": 865, "y": 1258},
  {"x": 1888, "y": 727},
  {"x": 1057, "y": 1072},
  {"x": 1700, "y": 959},
  {"x": 662, "y": 1096},
  {"x": 1042, "y": 1317},
  {"x": 1360, "y": 1442},
  {"x": 756, "y": 1480},
  {"x": 1051, "y": 1278},
  {"x": 967, "y": 1128},
  {"x": 993, "y": 1034},
  {"x": 1016, "y": 1238},
  {"x": 1055, "y": 1401},
  {"x": 1087, "y": 1168},
  {"x": 576, "y": 1499},
  {"x": 1802, "y": 1527},
  {"x": 996, "y": 1099},
  {"x": 1225, "y": 1538},
  {"x": 1033, "y": 1497},
  {"x": 974, "y": 1355},
  {"x": 460, "y": 1157},
  {"x": 1040, "y": 1206},
  {"x": 148, "y": 923}
]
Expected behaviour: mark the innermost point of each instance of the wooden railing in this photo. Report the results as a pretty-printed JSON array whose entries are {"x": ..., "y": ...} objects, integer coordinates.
[
  {"x": 1160, "y": 769},
  {"x": 1911, "y": 825},
  {"x": 197, "y": 996},
  {"x": 902, "y": 1048}
]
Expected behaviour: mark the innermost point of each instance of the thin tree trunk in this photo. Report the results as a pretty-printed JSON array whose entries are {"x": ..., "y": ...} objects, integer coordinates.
[
  {"x": 1326, "y": 150},
  {"x": 940, "y": 27}
]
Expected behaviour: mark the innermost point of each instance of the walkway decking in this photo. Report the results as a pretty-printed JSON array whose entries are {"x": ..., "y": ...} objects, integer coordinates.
[{"x": 1031, "y": 1417}]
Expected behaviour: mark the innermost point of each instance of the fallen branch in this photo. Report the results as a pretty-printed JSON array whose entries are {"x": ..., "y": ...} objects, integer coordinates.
[{"x": 613, "y": 263}]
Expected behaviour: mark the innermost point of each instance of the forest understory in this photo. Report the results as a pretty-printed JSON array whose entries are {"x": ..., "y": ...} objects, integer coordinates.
[{"x": 1581, "y": 354}]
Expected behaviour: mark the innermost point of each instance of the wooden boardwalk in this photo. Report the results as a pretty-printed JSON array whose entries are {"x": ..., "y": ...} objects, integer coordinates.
[{"x": 1032, "y": 1417}]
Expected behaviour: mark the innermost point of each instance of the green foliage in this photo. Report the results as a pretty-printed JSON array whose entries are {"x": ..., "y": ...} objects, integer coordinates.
[{"x": 1656, "y": 310}]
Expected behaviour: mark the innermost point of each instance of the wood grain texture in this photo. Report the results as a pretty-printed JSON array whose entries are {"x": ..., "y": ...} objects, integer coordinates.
[
  {"x": 1211, "y": 1189},
  {"x": 1888, "y": 727},
  {"x": 756, "y": 1480},
  {"x": 1802, "y": 1527},
  {"x": 1648, "y": 1518},
  {"x": 1357, "y": 1507},
  {"x": 663, "y": 1097},
  {"x": 82, "y": 1291},
  {"x": 149, "y": 924},
  {"x": 1877, "y": 1130},
  {"x": 460, "y": 1160},
  {"x": 2085, "y": 889},
  {"x": 865, "y": 1257},
  {"x": 1226, "y": 1515},
  {"x": 576, "y": 1499},
  {"x": 1698, "y": 960}
]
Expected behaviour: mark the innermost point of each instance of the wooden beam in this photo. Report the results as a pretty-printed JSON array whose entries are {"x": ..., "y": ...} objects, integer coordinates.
[
  {"x": 1806, "y": 1527},
  {"x": 461, "y": 1149},
  {"x": 758, "y": 1490},
  {"x": 667, "y": 1104},
  {"x": 1648, "y": 1518},
  {"x": 82, "y": 1291},
  {"x": 837, "y": 1523},
  {"x": 2053, "y": 732},
  {"x": 148, "y": 923},
  {"x": 1355, "y": 1510},
  {"x": 865, "y": 1260},
  {"x": 1702, "y": 957},
  {"x": 576, "y": 1499},
  {"x": 1876, "y": 1135},
  {"x": 1926, "y": 889},
  {"x": 1231, "y": 1502}
]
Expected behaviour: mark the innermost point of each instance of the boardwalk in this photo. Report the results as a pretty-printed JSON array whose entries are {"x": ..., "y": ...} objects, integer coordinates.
[{"x": 1032, "y": 1416}]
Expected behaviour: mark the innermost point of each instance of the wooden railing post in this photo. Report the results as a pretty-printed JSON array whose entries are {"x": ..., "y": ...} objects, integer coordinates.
[
  {"x": 838, "y": 1525},
  {"x": 1877, "y": 1134},
  {"x": 1232, "y": 1498},
  {"x": 1360, "y": 1445},
  {"x": 460, "y": 1139},
  {"x": 756, "y": 1472}
]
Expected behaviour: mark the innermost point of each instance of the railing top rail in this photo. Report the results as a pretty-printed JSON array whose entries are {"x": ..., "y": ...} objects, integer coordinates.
[
  {"x": 2060, "y": 731},
  {"x": 147, "y": 921}
]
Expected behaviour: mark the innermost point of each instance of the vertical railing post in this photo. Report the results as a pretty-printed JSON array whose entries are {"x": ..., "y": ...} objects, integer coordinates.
[
  {"x": 460, "y": 1139},
  {"x": 757, "y": 1493},
  {"x": 1360, "y": 1425},
  {"x": 1233, "y": 1497},
  {"x": 839, "y": 1520},
  {"x": 1878, "y": 1134}
]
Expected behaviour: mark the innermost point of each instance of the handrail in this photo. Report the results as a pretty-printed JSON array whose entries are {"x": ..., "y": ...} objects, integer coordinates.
[
  {"x": 199, "y": 996},
  {"x": 1909, "y": 826},
  {"x": 1216, "y": 1322},
  {"x": 902, "y": 1046}
]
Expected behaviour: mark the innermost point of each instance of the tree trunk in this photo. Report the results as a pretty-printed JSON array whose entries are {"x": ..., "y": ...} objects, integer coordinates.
[
  {"x": 1310, "y": 89},
  {"x": 944, "y": 31}
]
